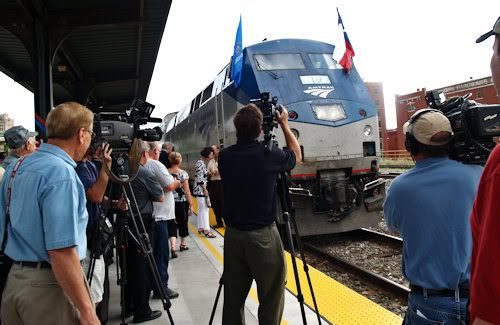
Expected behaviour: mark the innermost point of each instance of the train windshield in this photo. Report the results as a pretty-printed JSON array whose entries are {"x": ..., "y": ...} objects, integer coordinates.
[
  {"x": 323, "y": 61},
  {"x": 278, "y": 61}
]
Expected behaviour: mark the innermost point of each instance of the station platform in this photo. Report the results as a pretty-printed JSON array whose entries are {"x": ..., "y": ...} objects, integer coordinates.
[{"x": 196, "y": 272}]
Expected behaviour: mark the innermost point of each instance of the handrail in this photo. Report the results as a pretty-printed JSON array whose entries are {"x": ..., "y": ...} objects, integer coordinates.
[{"x": 396, "y": 155}]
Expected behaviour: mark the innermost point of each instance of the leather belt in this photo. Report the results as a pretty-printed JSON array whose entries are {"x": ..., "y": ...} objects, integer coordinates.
[
  {"x": 35, "y": 265},
  {"x": 463, "y": 291}
]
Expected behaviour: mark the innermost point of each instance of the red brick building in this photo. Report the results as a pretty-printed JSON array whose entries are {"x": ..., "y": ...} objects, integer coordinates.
[
  {"x": 376, "y": 91},
  {"x": 483, "y": 91},
  {"x": 391, "y": 139}
]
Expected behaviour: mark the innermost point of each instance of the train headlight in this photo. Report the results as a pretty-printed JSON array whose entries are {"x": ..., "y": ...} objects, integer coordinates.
[
  {"x": 331, "y": 112},
  {"x": 295, "y": 133},
  {"x": 368, "y": 130}
]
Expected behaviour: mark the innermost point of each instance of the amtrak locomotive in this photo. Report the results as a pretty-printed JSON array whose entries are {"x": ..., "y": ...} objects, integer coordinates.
[{"x": 336, "y": 188}]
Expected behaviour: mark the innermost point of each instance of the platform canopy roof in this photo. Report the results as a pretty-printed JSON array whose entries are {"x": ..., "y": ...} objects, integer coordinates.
[{"x": 102, "y": 52}]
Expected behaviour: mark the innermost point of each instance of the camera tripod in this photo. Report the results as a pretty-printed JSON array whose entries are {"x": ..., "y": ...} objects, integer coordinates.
[
  {"x": 288, "y": 213},
  {"x": 139, "y": 235}
]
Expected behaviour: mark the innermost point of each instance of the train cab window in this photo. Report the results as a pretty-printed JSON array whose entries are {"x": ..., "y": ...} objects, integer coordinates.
[
  {"x": 197, "y": 102},
  {"x": 207, "y": 93},
  {"x": 228, "y": 75},
  {"x": 192, "y": 106},
  {"x": 278, "y": 61},
  {"x": 323, "y": 61}
]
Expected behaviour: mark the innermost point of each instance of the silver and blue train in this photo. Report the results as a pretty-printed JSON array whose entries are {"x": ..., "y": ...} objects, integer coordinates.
[{"x": 336, "y": 188}]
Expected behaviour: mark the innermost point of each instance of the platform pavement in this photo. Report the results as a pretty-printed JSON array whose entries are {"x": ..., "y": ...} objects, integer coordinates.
[
  {"x": 196, "y": 273},
  {"x": 194, "y": 276}
]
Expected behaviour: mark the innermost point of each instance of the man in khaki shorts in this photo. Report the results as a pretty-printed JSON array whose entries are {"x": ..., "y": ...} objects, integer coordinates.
[{"x": 46, "y": 228}]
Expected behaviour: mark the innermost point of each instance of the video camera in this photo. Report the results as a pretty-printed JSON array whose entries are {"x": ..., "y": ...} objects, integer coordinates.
[
  {"x": 269, "y": 108},
  {"x": 474, "y": 126},
  {"x": 120, "y": 129}
]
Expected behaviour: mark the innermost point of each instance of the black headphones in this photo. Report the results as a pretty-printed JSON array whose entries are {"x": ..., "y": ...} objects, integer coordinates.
[{"x": 411, "y": 144}]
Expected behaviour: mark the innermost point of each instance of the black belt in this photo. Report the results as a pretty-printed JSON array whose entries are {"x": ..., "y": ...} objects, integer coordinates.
[
  {"x": 464, "y": 292},
  {"x": 35, "y": 265}
]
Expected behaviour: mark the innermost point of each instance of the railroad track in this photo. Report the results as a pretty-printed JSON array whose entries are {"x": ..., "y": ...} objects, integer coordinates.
[
  {"x": 399, "y": 291},
  {"x": 390, "y": 175},
  {"x": 380, "y": 236}
]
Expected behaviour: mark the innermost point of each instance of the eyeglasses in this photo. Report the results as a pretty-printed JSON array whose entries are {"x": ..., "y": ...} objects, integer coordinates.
[{"x": 92, "y": 134}]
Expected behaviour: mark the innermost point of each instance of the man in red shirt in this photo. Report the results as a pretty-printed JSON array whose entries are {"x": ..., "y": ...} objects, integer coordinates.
[{"x": 485, "y": 223}]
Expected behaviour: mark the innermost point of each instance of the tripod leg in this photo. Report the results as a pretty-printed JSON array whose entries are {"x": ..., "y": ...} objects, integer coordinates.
[
  {"x": 286, "y": 207},
  {"x": 121, "y": 269},
  {"x": 145, "y": 246},
  {"x": 90, "y": 271},
  {"x": 306, "y": 268},
  {"x": 221, "y": 283},
  {"x": 300, "y": 297}
]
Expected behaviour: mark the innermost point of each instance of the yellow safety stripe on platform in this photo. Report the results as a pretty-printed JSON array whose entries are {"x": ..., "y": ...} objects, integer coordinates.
[{"x": 336, "y": 303}]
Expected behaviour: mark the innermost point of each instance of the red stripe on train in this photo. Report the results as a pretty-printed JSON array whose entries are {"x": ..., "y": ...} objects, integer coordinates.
[
  {"x": 303, "y": 175},
  {"x": 359, "y": 171},
  {"x": 356, "y": 171}
]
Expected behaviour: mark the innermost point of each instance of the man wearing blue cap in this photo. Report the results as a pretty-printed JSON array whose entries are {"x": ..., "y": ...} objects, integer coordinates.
[{"x": 20, "y": 141}]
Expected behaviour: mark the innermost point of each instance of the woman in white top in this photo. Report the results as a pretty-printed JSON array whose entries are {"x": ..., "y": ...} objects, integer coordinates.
[{"x": 201, "y": 193}]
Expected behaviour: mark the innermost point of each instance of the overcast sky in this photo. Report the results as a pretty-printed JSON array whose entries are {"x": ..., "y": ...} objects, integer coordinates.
[{"x": 404, "y": 44}]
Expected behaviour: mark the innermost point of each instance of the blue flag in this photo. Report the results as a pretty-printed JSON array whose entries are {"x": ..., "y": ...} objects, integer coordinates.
[{"x": 237, "y": 60}]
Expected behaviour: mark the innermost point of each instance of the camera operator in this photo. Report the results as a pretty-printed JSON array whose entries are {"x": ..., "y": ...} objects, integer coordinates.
[
  {"x": 252, "y": 245},
  {"x": 46, "y": 231},
  {"x": 139, "y": 278},
  {"x": 95, "y": 184},
  {"x": 429, "y": 205},
  {"x": 485, "y": 222}
]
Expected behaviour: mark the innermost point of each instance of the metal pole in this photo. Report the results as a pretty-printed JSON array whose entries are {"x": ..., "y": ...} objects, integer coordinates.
[{"x": 42, "y": 75}]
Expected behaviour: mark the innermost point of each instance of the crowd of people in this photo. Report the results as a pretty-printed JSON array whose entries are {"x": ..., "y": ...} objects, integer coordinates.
[
  {"x": 445, "y": 211},
  {"x": 69, "y": 164}
]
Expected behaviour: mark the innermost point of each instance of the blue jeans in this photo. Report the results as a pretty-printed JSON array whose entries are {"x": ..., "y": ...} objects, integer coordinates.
[
  {"x": 161, "y": 251},
  {"x": 426, "y": 310}
]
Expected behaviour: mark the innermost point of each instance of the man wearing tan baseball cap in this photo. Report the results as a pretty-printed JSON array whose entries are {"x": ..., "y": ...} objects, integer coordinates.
[
  {"x": 429, "y": 127},
  {"x": 429, "y": 205},
  {"x": 485, "y": 222}
]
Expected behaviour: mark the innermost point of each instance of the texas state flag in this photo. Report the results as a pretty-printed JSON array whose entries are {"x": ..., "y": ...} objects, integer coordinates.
[{"x": 343, "y": 51}]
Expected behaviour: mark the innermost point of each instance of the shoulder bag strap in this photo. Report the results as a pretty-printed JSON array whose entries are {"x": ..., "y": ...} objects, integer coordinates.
[{"x": 9, "y": 193}]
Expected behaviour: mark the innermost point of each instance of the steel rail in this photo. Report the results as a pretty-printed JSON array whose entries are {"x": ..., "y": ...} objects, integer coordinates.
[{"x": 396, "y": 289}]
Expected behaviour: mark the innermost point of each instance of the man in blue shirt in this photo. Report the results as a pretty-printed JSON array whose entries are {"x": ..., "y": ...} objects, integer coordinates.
[
  {"x": 46, "y": 231},
  {"x": 430, "y": 206}
]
